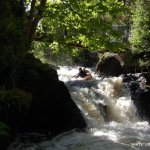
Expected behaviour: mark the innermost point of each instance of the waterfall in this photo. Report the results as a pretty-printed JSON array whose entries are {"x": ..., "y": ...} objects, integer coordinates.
[
  {"x": 109, "y": 112},
  {"x": 101, "y": 99}
]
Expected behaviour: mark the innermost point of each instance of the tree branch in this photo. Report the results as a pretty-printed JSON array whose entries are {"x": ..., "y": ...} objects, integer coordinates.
[
  {"x": 31, "y": 17},
  {"x": 36, "y": 19}
]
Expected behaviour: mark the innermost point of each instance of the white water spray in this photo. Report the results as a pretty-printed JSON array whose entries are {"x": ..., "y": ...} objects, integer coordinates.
[{"x": 89, "y": 95}]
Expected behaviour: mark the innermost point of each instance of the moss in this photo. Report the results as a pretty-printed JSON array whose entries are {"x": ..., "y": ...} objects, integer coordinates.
[
  {"x": 105, "y": 55},
  {"x": 4, "y": 135},
  {"x": 14, "y": 106},
  {"x": 21, "y": 97}
]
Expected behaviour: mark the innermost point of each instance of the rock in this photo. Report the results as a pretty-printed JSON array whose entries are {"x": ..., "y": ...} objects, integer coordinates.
[
  {"x": 86, "y": 58},
  {"x": 142, "y": 103},
  {"x": 146, "y": 75},
  {"x": 14, "y": 105},
  {"x": 52, "y": 110},
  {"x": 109, "y": 66},
  {"x": 4, "y": 135},
  {"x": 141, "y": 99}
]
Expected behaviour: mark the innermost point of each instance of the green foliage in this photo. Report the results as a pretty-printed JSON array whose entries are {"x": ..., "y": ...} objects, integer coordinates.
[
  {"x": 69, "y": 25},
  {"x": 52, "y": 55},
  {"x": 140, "y": 32},
  {"x": 143, "y": 63},
  {"x": 105, "y": 55}
]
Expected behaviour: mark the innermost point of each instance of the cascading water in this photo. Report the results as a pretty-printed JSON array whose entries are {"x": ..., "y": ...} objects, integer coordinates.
[{"x": 109, "y": 113}]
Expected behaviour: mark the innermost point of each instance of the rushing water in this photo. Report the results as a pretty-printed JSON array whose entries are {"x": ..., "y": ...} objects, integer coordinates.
[{"x": 109, "y": 113}]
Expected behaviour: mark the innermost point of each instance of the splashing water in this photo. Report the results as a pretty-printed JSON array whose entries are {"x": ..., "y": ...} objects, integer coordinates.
[{"x": 109, "y": 112}]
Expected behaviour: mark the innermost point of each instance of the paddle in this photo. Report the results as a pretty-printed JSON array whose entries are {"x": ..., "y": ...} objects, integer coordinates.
[{"x": 73, "y": 76}]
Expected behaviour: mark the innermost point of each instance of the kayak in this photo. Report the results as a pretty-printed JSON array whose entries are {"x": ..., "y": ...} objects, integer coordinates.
[{"x": 88, "y": 77}]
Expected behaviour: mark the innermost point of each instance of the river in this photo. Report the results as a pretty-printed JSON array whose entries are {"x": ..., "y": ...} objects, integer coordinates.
[{"x": 111, "y": 116}]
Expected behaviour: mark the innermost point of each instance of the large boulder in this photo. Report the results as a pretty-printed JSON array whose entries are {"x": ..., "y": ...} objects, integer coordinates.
[
  {"x": 140, "y": 94},
  {"x": 14, "y": 105},
  {"x": 86, "y": 58},
  {"x": 109, "y": 66},
  {"x": 141, "y": 100},
  {"x": 53, "y": 110}
]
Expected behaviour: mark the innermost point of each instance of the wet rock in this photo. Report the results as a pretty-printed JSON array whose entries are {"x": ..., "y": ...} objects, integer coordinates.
[
  {"x": 109, "y": 66},
  {"x": 141, "y": 100}
]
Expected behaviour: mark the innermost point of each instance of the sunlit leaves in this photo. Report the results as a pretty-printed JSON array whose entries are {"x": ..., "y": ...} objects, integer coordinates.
[
  {"x": 140, "y": 33},
  {"x": 85, "y": 22}
]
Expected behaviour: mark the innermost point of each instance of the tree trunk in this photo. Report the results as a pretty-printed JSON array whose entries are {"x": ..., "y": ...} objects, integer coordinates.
[{"x": 34, "y": 19}]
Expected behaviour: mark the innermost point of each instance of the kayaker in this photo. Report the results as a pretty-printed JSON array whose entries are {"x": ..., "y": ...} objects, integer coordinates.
[{"x": 83, "y": 73}]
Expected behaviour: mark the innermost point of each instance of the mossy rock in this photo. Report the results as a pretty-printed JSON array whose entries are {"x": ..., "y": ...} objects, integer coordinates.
[
  {"x": 30, "y": 72},
  {"x": 4, "y": 135},
  {"x": 22, "y": 98},
  {"x": 14, "y": 105}
]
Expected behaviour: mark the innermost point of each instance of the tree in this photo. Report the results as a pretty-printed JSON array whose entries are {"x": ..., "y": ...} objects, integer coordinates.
[
  {"x": 72, "y": 25},
  {"x": 140, "y": 29},
  {"x": 140, "y": 32},
  {"x": 35, "y": 15},
  {"x": 59, "y": 25}
]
